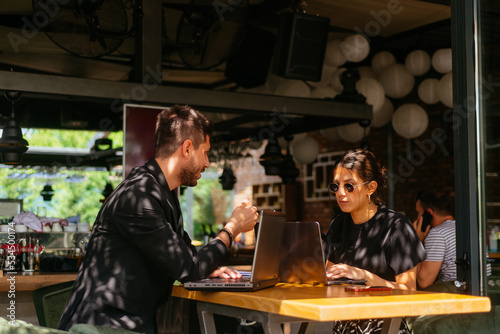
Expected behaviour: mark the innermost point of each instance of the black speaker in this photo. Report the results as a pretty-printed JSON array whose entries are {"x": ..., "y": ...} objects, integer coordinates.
[
  {"x": 249, "y": 65},
  {"x": 301, "y": 45}
]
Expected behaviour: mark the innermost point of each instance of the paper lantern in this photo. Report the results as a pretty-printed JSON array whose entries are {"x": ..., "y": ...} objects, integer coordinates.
[
  {"x": 418, "y": 62},
  {"x": 428, "y": 91},
  {"x": 331, "y": 134},
  {"x": 381, "y": 60},
  {"x": 445, "y": 90},
  {"x": 352, "y": 133},
  {"x": 323, "y": 92},
  {"x": 441, "y": 60},
  {"x": 294, "y": 88},
  {"x": 336, "y": 83},
  {"x": 410, "y": 120},
  {"x": 355, "y": 48},
  {"x": 367, "y": 72},
  {"x": 306, "y": 150},
  {"x": 273, "y": 81},
  {"x": 384, "y": 115},
  {"x": 373, "y": 91},
  {"x": 333, "y": 54},
  {"x": 397, "y": 81}
]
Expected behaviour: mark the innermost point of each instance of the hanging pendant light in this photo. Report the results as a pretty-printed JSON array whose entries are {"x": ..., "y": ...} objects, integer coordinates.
[
  {"x": 227, "y": 179},
  {"x": 12, "y": 143},
  {"x": 108, "y": 189},
  {"x": 289, "y": 171},
  {"x": 47, "y": 192},
  {"x": 272, "y": 159}
]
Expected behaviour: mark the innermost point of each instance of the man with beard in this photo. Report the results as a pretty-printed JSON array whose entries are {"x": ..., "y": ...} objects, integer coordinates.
[{"x": 138, "y": 247}]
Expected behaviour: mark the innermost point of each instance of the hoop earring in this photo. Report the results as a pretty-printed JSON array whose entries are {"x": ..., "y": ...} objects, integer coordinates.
[{"x": 369, "y": 199}]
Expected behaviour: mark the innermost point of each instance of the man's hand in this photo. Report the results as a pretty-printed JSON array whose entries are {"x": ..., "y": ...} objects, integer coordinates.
[
  {"x": 225, "y": 272},
  {"x": 243, "y": 218},
  {"x": 417, "y": 224}
]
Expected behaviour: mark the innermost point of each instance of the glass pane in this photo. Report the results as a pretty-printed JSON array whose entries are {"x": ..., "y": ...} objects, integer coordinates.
[{"x": 489, "y": 97}]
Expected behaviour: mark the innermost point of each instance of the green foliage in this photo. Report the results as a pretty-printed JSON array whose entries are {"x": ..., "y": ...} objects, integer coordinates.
[
  {"x": 210, "y": 207},
  {"x": 70, "y": 198}
]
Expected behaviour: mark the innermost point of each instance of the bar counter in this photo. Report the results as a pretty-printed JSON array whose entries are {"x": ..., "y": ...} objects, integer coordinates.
[{"x": 34, "y": 280}]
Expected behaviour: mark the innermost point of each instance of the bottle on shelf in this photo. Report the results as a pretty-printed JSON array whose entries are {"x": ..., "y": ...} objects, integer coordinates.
[{"x": 493, "y": 241}]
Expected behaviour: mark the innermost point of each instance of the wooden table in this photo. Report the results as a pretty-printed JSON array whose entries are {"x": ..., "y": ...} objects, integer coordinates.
[{"x": 287, "y": 303}]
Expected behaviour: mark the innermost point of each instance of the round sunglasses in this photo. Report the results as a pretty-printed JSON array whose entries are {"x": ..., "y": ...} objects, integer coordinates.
[{"x": 348, "y": 187}]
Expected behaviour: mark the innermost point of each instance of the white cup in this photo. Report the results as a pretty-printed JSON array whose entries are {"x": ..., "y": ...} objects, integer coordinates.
[
  {"x": 83, "y": 227},
  {"x": 56, "y": 227},
  {"x": 4, "y": 228},
  {"x": 70, "y": 228},
  {"x": 21, "y": 228}
]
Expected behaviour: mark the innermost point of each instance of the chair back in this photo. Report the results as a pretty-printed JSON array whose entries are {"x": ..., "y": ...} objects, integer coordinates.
[{"x": 50, "y": 302}]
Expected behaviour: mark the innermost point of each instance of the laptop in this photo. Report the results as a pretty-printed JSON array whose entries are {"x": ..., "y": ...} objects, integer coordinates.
[
  {"x": 265, "y": 263},
  {"x": 303, "y": 257}
]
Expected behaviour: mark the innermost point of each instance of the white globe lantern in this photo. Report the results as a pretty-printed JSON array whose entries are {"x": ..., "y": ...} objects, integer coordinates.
[
  {"x": 352, "y": 133},
  {"x": 273, "y": 81},
  {"x": 323, "y": 92},
  {"x": 384, "y": 115},
  {"x": 373, "y": 91},
  {"x": 293, "y": 88},
  {"x": 326, "y": 76},
  {"x": 418, "y": 62},
  {"x": 306, "y": 150},
  {"x": 428, "y": 91},
  {"x": 441, "y": 60},
  {"x": 355, "y": 48},
  {"x": 367, "y": 72},
  {"x": 381, "y": 60},
  {"x": 336, "y": 83},
  {"x": 410, "y": 120},
  {"x": 331, "y": 134},
  {"x": 333, "y": 54},
  {"x": 445, "y": 90},
  {"x": 397, "y": 81}
]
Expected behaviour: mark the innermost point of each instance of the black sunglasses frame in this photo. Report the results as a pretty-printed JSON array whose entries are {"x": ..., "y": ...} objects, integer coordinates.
[{"x": 349, "y": 187}]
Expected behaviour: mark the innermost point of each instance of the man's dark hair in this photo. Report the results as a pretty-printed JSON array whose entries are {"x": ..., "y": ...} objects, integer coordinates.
[
  {"x": 437, "y": 201},
  {"x": 175, "y": 125}
]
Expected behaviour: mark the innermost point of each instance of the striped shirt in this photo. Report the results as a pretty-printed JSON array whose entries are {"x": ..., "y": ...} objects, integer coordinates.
[{"x": 440, "y": 245}]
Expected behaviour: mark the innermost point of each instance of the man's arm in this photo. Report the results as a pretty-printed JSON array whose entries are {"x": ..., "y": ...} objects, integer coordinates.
[{"x": 427, "y": 272}]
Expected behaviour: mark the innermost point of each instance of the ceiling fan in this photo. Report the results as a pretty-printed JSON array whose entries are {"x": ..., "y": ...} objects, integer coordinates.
[
  {"x": 208, "y": 32},
  {"x": 87, "y": 28}
]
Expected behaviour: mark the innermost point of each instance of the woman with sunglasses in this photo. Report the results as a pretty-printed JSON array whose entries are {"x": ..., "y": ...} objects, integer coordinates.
[{"x": 367, "y": 240}]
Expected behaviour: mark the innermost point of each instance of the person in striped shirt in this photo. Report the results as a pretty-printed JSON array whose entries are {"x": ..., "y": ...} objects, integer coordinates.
[{"x": 439, "y": 240}]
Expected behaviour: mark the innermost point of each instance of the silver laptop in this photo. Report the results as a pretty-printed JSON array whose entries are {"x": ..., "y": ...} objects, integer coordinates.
[
  {"x": 266, "y": 259},
  {"x": 303, "y": 257}
]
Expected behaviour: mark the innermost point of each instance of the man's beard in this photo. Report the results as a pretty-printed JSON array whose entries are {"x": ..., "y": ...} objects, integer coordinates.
[{"x": 189, "y": 177}]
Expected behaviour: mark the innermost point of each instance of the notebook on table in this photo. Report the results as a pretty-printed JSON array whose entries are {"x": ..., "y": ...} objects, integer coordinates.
[
  {"x": 265, "y": 263},
  {"x": 303, "y": 257}
]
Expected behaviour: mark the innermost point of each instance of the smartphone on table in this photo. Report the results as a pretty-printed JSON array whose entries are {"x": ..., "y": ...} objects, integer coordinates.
[
  {"x": 363, "y": 288},
  {"x": 426, "y": 220}
]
